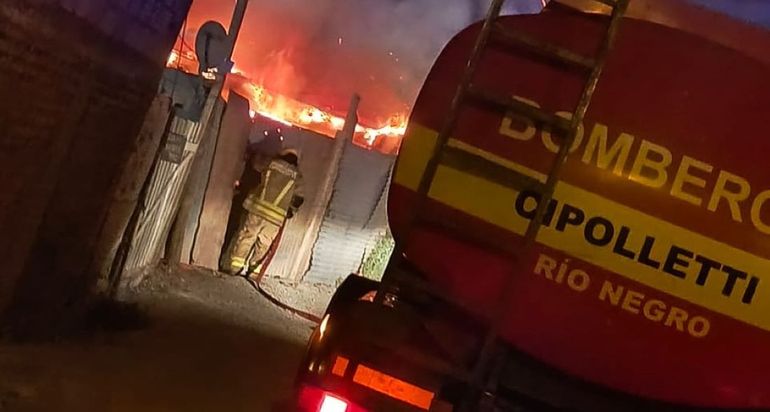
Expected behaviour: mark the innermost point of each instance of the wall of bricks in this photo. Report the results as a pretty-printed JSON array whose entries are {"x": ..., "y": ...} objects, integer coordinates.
[{"x": 76, "y": 79}]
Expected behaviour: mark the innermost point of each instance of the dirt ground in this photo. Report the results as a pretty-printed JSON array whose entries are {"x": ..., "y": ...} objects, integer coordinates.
[{"x": 208, "y": 343}]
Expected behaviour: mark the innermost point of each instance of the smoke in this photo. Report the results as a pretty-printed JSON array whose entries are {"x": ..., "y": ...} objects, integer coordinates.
[
  {"x": 414, "y": 32},
  {"x": 323, "y": 51}
]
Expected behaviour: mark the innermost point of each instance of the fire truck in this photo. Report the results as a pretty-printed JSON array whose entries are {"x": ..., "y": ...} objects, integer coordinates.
[{"x": 581, "y": 208}]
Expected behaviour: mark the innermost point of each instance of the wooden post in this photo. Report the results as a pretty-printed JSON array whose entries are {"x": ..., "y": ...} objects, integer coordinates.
[
  {"x": 342, "y": 139},
  {"x": 181, "y": 238}
]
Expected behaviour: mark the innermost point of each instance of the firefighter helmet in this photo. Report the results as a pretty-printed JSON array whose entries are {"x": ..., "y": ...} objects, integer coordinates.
[
  {"x": 289, "y": 151},
  {"x": 290, "y": 154}
]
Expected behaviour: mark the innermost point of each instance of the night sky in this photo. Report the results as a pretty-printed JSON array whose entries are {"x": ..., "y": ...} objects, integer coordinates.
[{"x": 755, "y": 11}]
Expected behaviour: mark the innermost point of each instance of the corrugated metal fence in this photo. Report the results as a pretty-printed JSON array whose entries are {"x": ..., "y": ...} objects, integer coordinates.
[
  {"x": 164, "y": 194},
  {"x": 330, "y": 236},
  {"x": 356, "y": 216}
]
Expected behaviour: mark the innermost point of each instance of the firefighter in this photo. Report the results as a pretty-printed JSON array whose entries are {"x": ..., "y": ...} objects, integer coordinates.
[
  {"x": 257, "y": 157},
  {"x": 278, "y": 197}
]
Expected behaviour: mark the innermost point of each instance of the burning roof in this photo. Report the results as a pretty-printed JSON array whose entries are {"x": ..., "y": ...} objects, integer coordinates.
[{"x": 300, "y": 62}]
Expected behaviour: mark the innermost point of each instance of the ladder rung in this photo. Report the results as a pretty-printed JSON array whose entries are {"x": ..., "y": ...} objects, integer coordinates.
[
  {"x": 544, "y": 49},
  {"x": 465, "y": 161},
  {"x": 558, "y": 124}
]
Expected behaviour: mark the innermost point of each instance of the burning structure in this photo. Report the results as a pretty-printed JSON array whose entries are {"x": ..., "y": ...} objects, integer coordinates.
[{"x": 300, "y": 63}]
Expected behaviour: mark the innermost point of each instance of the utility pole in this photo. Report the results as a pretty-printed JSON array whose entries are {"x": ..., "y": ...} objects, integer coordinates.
[
  {"x": 216, "y": 89},
  {"x": 235, "y": 25},
  {"x": 181, "y": 238}
]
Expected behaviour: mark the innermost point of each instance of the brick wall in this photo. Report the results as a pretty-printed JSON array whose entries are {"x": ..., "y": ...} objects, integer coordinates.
[{"x": 76, "y": 78}]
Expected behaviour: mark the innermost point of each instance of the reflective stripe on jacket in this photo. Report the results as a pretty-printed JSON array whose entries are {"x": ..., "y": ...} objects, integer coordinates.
[{"x": 272, "y": 198}]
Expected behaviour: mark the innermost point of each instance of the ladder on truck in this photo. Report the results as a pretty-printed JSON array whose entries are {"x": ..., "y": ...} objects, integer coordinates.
[{"x": 591, "y": 68}]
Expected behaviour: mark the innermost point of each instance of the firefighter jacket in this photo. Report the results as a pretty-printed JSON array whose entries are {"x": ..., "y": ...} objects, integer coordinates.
[{"x": 279, "y": 193}]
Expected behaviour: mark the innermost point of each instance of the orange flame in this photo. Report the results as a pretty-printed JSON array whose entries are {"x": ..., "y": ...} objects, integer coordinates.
[{"x": 291, "y": 112}]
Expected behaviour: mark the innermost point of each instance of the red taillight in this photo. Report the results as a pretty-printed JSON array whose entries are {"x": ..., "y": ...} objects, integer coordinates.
[
  {"x": 331, "y": 403},
  {"x": 314, "y": 399}
]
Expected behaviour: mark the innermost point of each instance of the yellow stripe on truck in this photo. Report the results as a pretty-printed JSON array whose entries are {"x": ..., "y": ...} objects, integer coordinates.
[{"x": 605, "y": 233}]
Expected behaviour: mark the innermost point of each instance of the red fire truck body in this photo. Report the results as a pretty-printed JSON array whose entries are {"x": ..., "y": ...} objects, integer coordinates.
[{"x": 649, "y": 285}]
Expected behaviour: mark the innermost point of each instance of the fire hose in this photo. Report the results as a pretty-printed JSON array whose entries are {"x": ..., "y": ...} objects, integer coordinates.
[{"x": 256, "y": 282}]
